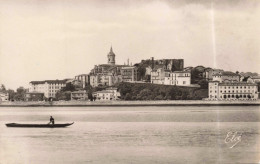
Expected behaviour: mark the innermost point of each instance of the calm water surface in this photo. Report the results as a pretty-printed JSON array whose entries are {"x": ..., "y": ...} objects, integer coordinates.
[{"x": 131, "y": 135}]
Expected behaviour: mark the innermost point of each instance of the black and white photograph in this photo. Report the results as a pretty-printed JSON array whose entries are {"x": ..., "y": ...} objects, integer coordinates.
[{"x": 129, "y": 82}]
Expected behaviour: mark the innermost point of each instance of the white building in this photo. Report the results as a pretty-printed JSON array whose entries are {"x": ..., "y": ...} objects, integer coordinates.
[
  {"x": 4, "y": 96},
  {"x": 232, "y": 91},
  {"x": 108, "y": 94},
  {"x": 178, "y": 78},
  {"x": 48, "y": 87}
]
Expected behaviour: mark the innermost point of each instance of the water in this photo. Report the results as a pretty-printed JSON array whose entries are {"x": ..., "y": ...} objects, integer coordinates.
[{"x": 131, "y": 135}]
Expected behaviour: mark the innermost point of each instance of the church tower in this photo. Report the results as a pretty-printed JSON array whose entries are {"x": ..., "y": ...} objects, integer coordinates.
[{"x": 111, "y": 57}]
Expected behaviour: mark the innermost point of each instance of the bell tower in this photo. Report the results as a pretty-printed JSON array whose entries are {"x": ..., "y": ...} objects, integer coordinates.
[{"x": 111, "y": 57}]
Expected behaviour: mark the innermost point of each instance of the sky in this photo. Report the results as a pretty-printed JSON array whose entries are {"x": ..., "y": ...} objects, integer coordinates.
[{"x": 57, "y": 39}]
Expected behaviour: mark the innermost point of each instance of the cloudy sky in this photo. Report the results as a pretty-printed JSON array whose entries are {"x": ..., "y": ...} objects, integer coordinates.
[{"x": 56, "y": 39}]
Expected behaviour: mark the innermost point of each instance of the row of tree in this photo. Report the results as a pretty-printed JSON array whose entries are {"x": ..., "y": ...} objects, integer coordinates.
[{"x": 18, "y": 95}]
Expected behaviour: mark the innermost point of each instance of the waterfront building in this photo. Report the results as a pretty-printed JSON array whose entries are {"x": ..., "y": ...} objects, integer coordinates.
[
  {"x": 83, "y": 79},
  {"x": 178, "y": 78},
  {"x": 34, "y": 96},
  {"x": 4, "y": 96},
  {"x": 79, "y": 95},
  {"x": 48, "y": 87},
  {"x": 129, "y": 74},
  {"x": 232, "y": 91},
  {"x": 108, "y": 94},
  {"x": 226, "y": 77}
]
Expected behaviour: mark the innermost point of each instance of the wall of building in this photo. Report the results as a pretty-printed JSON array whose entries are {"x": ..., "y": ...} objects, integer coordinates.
[
  {"x": 233, "y": 91},
  {"x": 48, "y": 88}
]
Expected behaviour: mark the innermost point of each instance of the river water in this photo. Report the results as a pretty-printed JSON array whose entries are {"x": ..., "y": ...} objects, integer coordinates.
[{"x": 132, "y": 135}]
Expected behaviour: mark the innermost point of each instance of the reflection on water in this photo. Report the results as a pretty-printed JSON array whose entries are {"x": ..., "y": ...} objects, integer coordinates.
[{"x": 131, "y": 135}]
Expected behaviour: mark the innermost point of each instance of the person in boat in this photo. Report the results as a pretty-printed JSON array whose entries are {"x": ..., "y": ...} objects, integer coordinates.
[{"x": 51, "y": 120}]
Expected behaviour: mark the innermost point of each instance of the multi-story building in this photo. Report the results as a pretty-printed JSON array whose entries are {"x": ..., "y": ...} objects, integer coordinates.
[
  {"x": 79, "y": 95},
  {"x": 129, "y": 74},
  {"x": 83, "y": 79},
  {"x": 226, "y": 77},
  {"x": 232, "y": 91},
  {"x": 108, "y": 94},
  {"x": 4, "y": 96},
  {"x": 158, "y": 76},
  {"x": 178, "y": 78},
  {"x": 48, "y": 87},
  {"x": 209, "y": 72}
]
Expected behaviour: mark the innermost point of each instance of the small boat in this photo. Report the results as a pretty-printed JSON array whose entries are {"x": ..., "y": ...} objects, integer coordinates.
[{"x": 38, "y": 125}]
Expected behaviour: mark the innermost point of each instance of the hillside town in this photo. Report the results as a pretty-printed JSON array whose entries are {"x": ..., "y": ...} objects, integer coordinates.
[{"x": 151, "y": 79}]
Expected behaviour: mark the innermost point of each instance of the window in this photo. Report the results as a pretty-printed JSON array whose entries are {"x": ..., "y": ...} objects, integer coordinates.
[{"x": 184, "y": 82}]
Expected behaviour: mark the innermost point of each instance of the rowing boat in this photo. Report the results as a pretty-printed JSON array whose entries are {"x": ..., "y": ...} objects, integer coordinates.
[{"x": 38, "y": 125}]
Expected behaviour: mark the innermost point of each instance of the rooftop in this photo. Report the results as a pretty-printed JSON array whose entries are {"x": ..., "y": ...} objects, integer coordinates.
[{"x": 48, "y": 81}]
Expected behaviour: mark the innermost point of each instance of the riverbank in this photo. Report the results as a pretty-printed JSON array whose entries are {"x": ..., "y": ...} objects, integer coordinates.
[{"x": 132, "y": 103}]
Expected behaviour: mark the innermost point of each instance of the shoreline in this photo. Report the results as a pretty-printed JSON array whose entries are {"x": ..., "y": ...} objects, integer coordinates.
[{"x": 130, "y": 103}]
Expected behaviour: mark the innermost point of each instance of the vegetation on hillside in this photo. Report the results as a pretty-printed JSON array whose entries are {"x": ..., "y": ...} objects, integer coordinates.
[{"x": 147, "y": 91}]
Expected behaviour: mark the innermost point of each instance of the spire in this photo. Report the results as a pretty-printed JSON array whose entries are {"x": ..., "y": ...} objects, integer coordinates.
[{"x": 111, "y": 49}]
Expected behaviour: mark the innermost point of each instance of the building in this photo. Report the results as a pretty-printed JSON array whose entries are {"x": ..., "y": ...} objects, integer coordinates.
[
  {"x": 129, "y": 74},
  {"x": 226, "y": 77},
  {"x": 158, "y": 75},
  {"x": 255, "y": 79},
  {"x": 48, "y": 87},
  {"x": 178, "y": 78},
  {"x": 79, "y": 95},
  {"x": 209, "y": 72},
  {"x": 83, "y": 79},
  {"x": 108, "y": 94},
  {"x": 232, "y": 91},
  {"x": 108, "y": 74},
  {"x": 34, "y": 96},
  {"x": 111, "y": 57},
  {"x": 4, "y": 96}
]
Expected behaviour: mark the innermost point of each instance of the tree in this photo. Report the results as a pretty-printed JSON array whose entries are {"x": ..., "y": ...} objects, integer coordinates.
[
  {"x": 203, "y": 84},
  {"x": 2, "y": 88},
  {"x": 69, "y": 87},
  {"x": 11, "y": 94},
  {"x": 128, "y": 96},
  {"x": 20, "y": 94},
  {"x": 63, "y": 95},
  {"x": 258, "y": 85}
]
